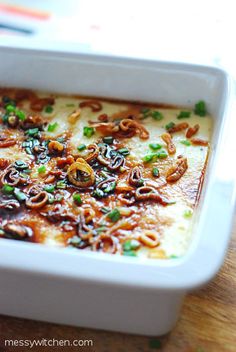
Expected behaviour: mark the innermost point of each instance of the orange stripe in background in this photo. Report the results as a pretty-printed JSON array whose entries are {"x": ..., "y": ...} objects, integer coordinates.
[{"x": 23, "y": 11}]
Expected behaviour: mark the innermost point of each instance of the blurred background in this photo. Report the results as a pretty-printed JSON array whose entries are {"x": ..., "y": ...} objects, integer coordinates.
[{"x": 200, "y": 31}]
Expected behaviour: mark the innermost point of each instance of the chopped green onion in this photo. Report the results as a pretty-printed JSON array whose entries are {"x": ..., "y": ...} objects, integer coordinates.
[
  {"x": 170, "y": 125},
  {"x": 10, "y": 108},
  {"x": 154, "y": 146},
  {"x": 162, "y": 154},
  {"x": 49, "y": 188},
  {"x": 7, "y": 189},
  {"x": 188, "y": 213},
  {"x": 131, "y": 244},
  {"x": 48, "y": 109},
  {"x": 114, "y": 215},
  {"x": 200, "y": 108},
  {"x": 61, "y": 185},
  {"x": 124, "y": 151},
  {"x": 88, "y": 131},
  {"x": 58, "y": 197},
  {"x": 52, "y": 127},
  {"x": 98, "y": 193},
  {"x": 155, "y": 171},
  {"x": 27, "y": 171},
  {"x": 81, "y": 147},
  {"x": 186, "y": 142},
  {"x": 42, "y": 169},
  {"x": 20, "y": 114},
  {"x": 173, "y": 256},
  {"x": 108, "y": 139},
  {"x": 149, "y": 157},
  {"x": 51, "y": 199},
  {"x": 19, "y": 195},
  {"x": 111, "y": 186},
  {"x": 105, "y": 210},
  {"x": 140, "y": 182},
  {"x": 157, "y": 115},
  {"x": 32, "y": 132},
  {"x": 22, "y": 174},
  {"x": 77, "y": 198},
  {"x": 184, "y": 115}
]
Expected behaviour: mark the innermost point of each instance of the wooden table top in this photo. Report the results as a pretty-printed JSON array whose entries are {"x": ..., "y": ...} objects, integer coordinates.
[{"x": 207, "y": 323}]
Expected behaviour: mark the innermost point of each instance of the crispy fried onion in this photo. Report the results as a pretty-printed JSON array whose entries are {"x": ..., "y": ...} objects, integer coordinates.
[
  {"x": 11, "y": 177},
  {"x": 34, "y": 190},
  {"x": 166, "y": 137},
  {"x": 177, "y": 171},
  {"x": 127, "y": 198},
  {"x": 35, "y": 121},
  {"x": 93, "y": 152},
  {"x": 128, "y": 223},
  {"x": 6, "y": 141},
  {"x": 55, "y": 147},
  {"x": 150, "y": 238},
  {"x": 105, "y": 187},
  {"x": 103, "y": 118},
  {"x": 135, "y": 176},
  {"x": 110, "y": 158},
  {"x": 37, "y": 201},
  {"x": 178, "y": 127},
  {"x": 199, "y": 141},
  {"x": 93, "y": 104},
  {"x": 104, "y": 155},
  {"x": 17, "y": 231},
  {"x": 72, "y": 118},
  {"x": 9, "y": 204},
  {"x": 88, "y": 214},
  {"x": 4, "y": 163},
  {"x": 58, "y": 213},
  {"x": 191, "y": 131},
  {"x": 105, "y": 243},
  {"x": 150, "y": 193},
  {"x": 81, "y": 174},
  {"x": 126, "y": 128},
  {"x": 62, "y": 162},
  {"x": 116, "y": 162},
  {"x": 84, "y": 230}
]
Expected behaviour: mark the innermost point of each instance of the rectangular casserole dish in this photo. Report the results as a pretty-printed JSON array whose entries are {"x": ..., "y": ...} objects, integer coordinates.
[{"x": 96, "y": 290}]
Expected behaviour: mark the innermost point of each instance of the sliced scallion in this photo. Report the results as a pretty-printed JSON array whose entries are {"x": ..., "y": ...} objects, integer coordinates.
[
  {"x": 114, "y": 215},
  {"x": 88, "y": 131},
  {"x": 52, "y": 127}
]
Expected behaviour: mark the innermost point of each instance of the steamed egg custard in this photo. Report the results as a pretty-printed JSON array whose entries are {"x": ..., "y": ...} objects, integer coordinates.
[{"x": 99, "y": 175}]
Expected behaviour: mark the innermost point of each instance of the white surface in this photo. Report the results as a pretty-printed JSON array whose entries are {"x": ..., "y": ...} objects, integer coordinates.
[
  {"x": 99, "y": 290},
  {"x": 191, "y": 31}
]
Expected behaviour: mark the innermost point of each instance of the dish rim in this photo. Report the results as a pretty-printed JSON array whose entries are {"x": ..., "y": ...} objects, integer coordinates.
[{"x": 178, "y": 274}]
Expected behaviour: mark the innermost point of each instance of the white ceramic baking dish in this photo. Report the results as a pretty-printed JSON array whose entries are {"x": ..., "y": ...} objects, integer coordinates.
[{"x": 141, "y": 296}]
